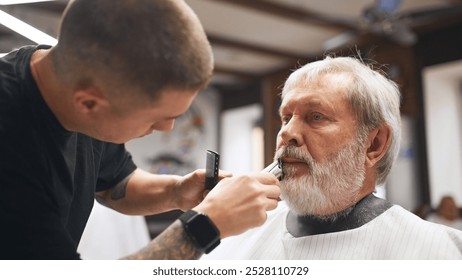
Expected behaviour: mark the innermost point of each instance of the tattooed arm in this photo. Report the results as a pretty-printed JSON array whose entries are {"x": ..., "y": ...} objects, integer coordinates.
[
  {"x": 143, "y": 193},
  {"x": 171, "y": 244}
]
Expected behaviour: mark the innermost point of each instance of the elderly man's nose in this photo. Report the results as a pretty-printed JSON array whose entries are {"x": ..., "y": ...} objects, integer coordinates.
[{"x": 291, "y": 134}]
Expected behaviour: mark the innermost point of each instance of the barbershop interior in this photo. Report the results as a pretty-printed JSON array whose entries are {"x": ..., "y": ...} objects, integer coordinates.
[{"x": 256, "y": 45}]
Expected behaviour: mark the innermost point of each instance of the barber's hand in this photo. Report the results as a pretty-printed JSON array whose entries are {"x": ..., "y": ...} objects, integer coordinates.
[
  {"x": 190, "y": 189},
  {"x": 239, "y": 203}
]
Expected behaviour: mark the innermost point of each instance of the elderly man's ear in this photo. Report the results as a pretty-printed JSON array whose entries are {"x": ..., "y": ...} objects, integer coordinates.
[{"x": 377, "y": 144}]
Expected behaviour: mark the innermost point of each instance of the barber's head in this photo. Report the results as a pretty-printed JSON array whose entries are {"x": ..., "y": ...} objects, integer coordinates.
[
  {"x": 133, "y": 53},
  {"x": 340, "y": 134}
]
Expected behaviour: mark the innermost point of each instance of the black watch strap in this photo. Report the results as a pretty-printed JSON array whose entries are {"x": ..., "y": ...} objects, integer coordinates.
[{"x": 202, "y": 231}]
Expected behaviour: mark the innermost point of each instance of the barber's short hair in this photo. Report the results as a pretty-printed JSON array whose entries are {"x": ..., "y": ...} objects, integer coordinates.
[
  {"x": 147, "y": 45},
  {"x": 374, "y": 98}
]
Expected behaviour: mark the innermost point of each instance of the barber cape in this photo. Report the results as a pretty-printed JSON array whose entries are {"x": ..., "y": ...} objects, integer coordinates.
[{"x": 394, "y": 234}]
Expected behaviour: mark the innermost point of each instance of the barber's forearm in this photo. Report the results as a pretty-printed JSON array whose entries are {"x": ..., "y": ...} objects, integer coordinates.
[
  {"x": 171, "y": 244},
  {"x": 141, "y": 193}
]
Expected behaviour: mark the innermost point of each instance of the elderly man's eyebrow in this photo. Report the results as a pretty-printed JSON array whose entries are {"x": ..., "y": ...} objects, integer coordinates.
[
  {"x": 316, "y": 104},
  {"x": 291, "y": 103}
]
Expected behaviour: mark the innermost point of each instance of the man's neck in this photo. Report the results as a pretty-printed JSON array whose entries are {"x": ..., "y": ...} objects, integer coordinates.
[
  {"x": 361, "y": 213},
  {"x": 49, "y": 86}
]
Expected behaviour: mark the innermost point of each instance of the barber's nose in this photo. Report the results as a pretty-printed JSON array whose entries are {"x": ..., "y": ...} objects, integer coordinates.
[
  {"x": 290, "y": 133},
  {"x": 164, "y": 125}
]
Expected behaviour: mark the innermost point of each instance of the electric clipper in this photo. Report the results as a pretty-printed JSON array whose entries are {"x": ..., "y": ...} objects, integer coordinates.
[{"x": 275, "y": 168}]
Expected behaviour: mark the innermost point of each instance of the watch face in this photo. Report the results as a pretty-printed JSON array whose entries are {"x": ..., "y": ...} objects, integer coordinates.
[{"x": 203, "y": 231}]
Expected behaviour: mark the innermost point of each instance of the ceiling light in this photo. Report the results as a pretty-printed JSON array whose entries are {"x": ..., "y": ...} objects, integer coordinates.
[
  {"x": 12, "y": 2},
  {"x": 26, "y": 30}
]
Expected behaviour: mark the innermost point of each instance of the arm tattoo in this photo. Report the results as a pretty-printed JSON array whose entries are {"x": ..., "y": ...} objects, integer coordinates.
[
  {"x": 118, "y": 192},
  {"x": 171, "y": 244},
  {"x": 101, "y": 200}
]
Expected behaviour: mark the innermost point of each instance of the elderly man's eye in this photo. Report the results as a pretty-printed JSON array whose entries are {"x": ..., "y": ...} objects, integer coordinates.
[
  {"x": 285, "y": 119},
  {"x": 317, "y": 117}
]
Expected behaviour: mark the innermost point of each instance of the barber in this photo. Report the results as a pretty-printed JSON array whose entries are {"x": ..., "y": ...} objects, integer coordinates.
[{"x": 120, "y": 70}]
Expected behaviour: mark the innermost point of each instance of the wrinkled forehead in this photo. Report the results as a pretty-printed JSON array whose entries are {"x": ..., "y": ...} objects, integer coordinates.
[{"x": 328, "y": 84}]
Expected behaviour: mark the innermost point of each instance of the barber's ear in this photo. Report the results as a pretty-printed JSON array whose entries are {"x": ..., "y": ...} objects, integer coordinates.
[
  {"x": 89, "y": 100},
  {"x": 377, "y": 144}
]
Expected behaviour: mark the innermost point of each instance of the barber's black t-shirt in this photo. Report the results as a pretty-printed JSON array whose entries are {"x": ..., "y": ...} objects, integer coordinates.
[{"x": 48, "y": 175}]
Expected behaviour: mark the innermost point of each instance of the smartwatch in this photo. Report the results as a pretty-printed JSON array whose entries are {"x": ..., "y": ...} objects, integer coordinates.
[{"x": 202, "y": 231}]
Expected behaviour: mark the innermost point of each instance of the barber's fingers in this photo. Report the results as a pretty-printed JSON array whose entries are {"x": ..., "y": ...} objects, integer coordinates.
[
  {"x": 266, "y": 178},
  {"x": 270, "y": 185},
  {"x": 272, "y": 204},
  {"x": 224, "y": 174},
  {"x": 272, "y": 196},
  {"x": 273, "y": 191}
]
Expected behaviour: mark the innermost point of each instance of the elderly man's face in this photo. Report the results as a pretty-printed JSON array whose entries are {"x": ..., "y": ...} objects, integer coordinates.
[{"x": 324, "y": 161}]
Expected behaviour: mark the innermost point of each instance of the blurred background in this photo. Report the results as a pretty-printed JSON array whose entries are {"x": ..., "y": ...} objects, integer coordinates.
[{"x": 257, "y": 44}]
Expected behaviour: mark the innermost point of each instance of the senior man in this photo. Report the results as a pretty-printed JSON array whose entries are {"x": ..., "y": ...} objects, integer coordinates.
[{"x": 339, "y": 138}]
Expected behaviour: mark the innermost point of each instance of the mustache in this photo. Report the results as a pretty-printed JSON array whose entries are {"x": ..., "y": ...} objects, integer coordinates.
[{"x": 294, "y": 152}]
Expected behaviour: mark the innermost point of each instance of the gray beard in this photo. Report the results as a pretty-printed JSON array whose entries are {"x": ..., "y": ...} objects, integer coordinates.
[{"x": 330, "y": 189}]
